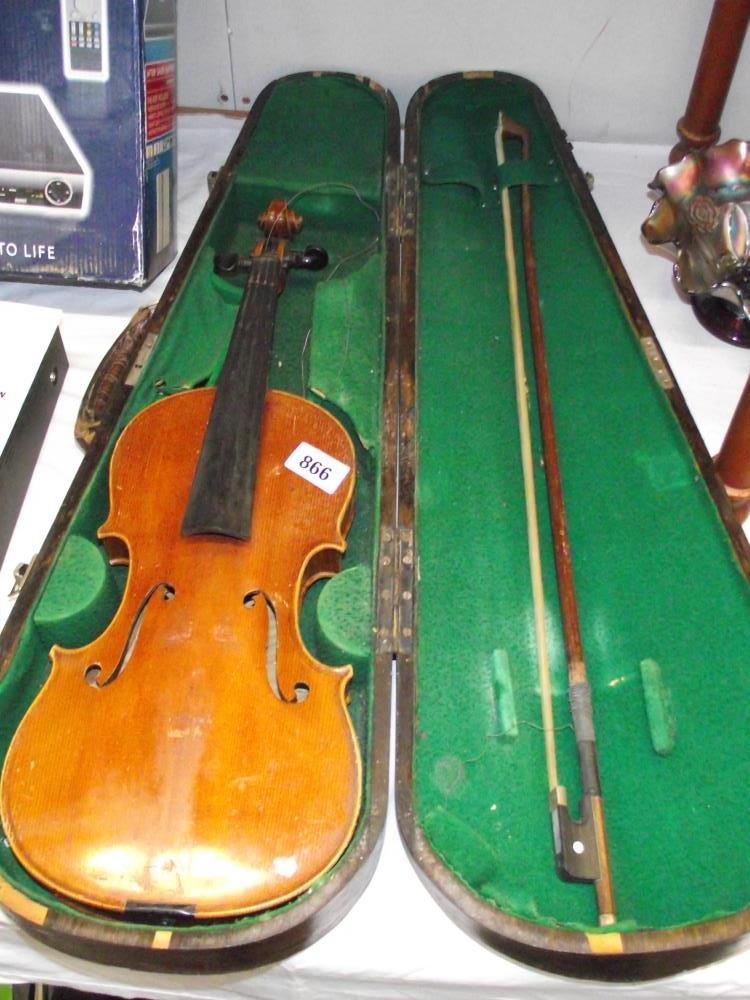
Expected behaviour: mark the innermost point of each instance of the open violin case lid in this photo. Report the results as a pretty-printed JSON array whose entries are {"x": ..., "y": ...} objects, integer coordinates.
[{"x": 405, "y": 338}]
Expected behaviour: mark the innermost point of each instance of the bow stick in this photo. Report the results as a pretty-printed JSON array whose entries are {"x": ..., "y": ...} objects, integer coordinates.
[{"x": 581, "y": 850}]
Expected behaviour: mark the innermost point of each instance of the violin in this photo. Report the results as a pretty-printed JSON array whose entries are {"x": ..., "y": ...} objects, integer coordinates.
[{"x": 194, "y": 760}]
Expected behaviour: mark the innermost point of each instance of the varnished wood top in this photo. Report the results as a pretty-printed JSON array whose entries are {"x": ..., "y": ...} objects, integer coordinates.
[{"x": 209, "y": 765}]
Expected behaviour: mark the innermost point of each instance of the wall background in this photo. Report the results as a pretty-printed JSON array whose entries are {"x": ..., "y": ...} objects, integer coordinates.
[{"x": 613, "y": 71}]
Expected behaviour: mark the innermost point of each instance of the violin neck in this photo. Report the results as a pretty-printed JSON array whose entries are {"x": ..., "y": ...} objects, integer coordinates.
[{"x": 221, "y": 498}]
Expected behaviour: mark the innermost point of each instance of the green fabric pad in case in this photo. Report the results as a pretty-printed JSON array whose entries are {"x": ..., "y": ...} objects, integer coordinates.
[
  {"x": 659, "y": 712},
  {"x": 79, "y": 595},
  {"x": 344, "y": 616}
]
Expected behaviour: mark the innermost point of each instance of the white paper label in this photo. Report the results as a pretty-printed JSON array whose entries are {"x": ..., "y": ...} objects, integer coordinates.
[{"x": 312, "y": 464}]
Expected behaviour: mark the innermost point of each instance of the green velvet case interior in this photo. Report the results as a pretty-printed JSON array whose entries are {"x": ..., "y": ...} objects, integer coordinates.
[
  {"x": 663, "y": 601},
  {"x": 328, "y": 346}
]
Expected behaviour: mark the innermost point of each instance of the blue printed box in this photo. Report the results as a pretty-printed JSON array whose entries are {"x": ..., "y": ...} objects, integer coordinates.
[{"x": 87, "y": 98}]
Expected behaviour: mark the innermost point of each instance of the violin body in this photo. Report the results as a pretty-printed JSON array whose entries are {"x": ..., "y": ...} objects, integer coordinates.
[{"x": 195, "y": 757}]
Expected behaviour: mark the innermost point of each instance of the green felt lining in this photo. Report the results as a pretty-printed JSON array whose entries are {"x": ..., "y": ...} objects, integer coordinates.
[
  {"x": 81, "y": 591},
  {"x": 656, "y": 576},
  {"x": 345, "y": 351},
  {"x": 299, "y": 150}
]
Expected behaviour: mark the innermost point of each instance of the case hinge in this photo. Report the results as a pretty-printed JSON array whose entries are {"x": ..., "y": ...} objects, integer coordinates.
[
  {"x": 395, "y": 634},
  {"x": 393, "y": 189},
  {"x": 405, "y": 592},
  {"x": 387, "y": 610},
  {"x": 20, "y": 576},
  {"x": 406, "y": 201}
]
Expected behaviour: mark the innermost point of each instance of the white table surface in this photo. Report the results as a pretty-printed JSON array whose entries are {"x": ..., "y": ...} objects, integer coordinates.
[{"x": 395, "y": 942}]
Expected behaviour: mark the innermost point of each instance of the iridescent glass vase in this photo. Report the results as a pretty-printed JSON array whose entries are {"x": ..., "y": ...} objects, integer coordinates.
[{"x": 703, "y": 209}]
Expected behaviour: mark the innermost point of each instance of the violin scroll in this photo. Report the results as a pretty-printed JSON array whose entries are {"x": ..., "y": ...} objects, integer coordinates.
[{"x": 279, "y": 220}]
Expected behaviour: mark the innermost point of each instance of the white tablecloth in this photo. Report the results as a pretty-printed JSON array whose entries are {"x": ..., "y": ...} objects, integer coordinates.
[{"x": 395, "y": 942}]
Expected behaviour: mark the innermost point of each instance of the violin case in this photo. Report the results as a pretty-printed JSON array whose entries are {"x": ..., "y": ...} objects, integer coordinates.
[{"x": 405, "y": 338}]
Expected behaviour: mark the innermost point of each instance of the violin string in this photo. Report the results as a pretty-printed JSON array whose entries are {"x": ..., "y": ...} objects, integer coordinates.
[
  {"x": 341, "y": 263},
  {"x": 336, "y": 184}
]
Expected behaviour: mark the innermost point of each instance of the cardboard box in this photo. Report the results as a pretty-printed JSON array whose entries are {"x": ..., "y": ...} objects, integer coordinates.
[{"x": 87, "y": 145}]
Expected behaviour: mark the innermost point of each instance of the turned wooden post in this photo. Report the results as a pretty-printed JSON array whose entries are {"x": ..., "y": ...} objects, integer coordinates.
[
  {"x": 699, "y": 126},
  {"x": 733, "y": 461}
]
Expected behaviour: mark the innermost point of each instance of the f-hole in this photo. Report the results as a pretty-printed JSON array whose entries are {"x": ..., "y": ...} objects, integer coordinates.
[
  {"x": 301, "y": 690},
  {"x": 92, "y": 673}
]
